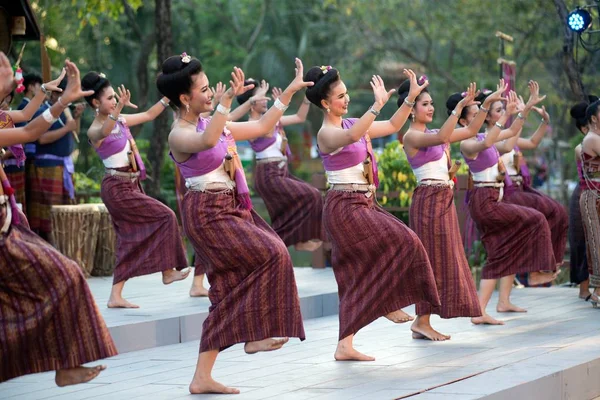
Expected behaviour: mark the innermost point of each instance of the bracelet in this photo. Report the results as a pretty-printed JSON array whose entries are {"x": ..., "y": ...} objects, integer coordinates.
[
  {"x": 482, "y": 108},
  {"x": 164, "y": 103},
  {"x": 411, "y": 104},
  {"x": 499, "y": 125},
  {"x": 520, "y": 116},
  {"x": 279, "y": 105},
  {"x": 63, "y": 104},
  {"x": 221, "y": 109},
  {"x": 454, "y": 113},
  {"x": 43, "y": 88},
  {"x": 48, "y": 117},
  {"x": 374, "y": 111},
  {"x": 113, "y": 117}
]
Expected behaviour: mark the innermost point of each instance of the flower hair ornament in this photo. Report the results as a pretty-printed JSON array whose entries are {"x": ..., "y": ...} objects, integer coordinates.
[
  {"x": 325, "y": 68},
  {"x": 102, "y": 75},
  {"x": 422, "y": 79},
  {"x": 185, "y": 58}
]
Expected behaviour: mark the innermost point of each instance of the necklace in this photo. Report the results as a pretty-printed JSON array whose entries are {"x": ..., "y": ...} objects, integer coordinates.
[{"x": 189, "y": 122}]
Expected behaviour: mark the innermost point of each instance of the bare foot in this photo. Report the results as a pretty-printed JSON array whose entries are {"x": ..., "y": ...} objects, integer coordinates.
[
  {"x": 73, "y": 376},
  {"x": 509, "y": 307},
  {"x": 427, "y": 333},
  {"x": 209, "y": 385},
  {"x": 196, "y": 291},
  {"x": 265, "y": 345},
  {"x": 485, "y": 319},
  {"x": 343, "y": 353},
  {"x": 399, "y": 317},
  {"x": 539, "y": 278},
  {"x": 120, "y": 303},
  {"x": 172, "y": 275},
  {"x": 311, "y": 245}
]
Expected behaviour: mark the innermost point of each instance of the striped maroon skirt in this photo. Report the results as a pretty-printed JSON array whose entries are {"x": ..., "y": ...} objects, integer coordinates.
[
  {"x": 49, "y": 318},
  {"x": 517, "y": 239},
  {"x": 434, "y": 220},
  {"x": 16, "y": 177},
  {"x": 180, "y": 191},
  {"x": 590, "y": 215},
  {"x": 46, "y": 190},
  {"x": 379, "y": 264},
  {"x": 253, "y": 290},
  {"x": 148, "y": 238},
  {"x": 295, "y": 207},
  {"x": 555, "y": 214}
]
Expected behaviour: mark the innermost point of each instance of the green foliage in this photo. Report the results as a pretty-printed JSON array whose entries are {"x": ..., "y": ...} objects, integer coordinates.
[
  {"x": 396, "y": 178},
  {"x": 478, "y": 255},
  {"x": 89, "y": 11},
  {"x": 84, "y": 184}
]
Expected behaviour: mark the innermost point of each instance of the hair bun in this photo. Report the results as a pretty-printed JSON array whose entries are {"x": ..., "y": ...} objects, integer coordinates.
[
  {"x": 244, "y": 97},
  {"x": 322, "y": 79}
]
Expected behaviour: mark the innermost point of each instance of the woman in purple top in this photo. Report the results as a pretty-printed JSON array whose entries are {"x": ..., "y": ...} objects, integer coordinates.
[
  {"x": 253, "y": 294},
  {"x": 148, "y": 239},
  {"x": 379, "y": 263},
  {"x": 295, "y": 207},
  {"x": 512, "y": 235},
  {"x": 50, "y": 321},
  {"x": 432, "y": 213}
]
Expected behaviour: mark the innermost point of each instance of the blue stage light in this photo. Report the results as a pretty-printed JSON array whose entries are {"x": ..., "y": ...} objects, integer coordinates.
[{"x": 579, "y": 20}]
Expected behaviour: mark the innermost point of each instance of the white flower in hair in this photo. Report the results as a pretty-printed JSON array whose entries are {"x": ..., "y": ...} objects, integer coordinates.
[
  {"x": 101, "y": 75},
  {"x": 185, "y": 58}
]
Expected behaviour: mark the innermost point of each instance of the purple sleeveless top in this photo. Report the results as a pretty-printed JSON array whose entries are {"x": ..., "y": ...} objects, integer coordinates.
[
  {"x": 6, "y": 122},
  {"x": 116, "y": 142},
  {"x": 485, "y": 159},
  {"x": 426, "y": 154},
  {"x": 349, "y": 156},
  {"x": 262, "y": 143},
  {"x": 203, "y": 162}
]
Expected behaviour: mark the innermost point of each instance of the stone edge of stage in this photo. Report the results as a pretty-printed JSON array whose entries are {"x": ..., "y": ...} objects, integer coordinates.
[{"x": 178, "y": 329}]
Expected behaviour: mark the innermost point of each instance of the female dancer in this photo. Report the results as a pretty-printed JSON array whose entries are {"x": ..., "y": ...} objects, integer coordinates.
[
  {"x": 579, "y": 267},
  {"x": 432, "y": 212},
  {"x": 379, "y": 264},
  {"x": 295, "y": 207},
  {"x": 590, "y": 197},
  {"x": 49, "y": 318},
  {"x": 148, "y": 239},
  {"x": 14, "y": 158},
  {"x": 252, "y": 291},
  {"x": 508, "y": 231}
]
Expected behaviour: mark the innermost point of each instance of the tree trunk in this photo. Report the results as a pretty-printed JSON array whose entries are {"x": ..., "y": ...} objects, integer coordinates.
[
  {"x": 568, "y": 61},
  {"x": 158, "y": 144}
]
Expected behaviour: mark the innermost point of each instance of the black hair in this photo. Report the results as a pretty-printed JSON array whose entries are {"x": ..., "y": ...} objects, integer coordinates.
[
  {"x": 96, "y": 82},
  {"x": 32, "y": 79},
  {"x": 592, "y": 110},
  {"x": 63, "y": 84},
  {"x": 244, "y": 97},
  {"x": 452, "y": 102},
  {"x": 403, "y": 90},
  {"x": 578, "y": 114},
  {"x": 176, "y": 77},
  {"x": 322, "y": 84}
]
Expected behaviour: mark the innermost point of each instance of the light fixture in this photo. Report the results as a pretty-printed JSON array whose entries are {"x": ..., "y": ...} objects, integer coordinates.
[{"x": 579, "y": 20}]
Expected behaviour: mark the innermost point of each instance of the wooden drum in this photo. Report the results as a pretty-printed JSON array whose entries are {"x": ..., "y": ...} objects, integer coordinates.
[
  {"x": 75, "y": 233},
  {"x": 104, "y": 260}
]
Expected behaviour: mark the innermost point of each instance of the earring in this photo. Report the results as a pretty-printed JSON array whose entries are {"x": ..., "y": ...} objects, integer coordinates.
[
  {"x": 412, "y": 117},
  {"x": 97, "y": 111},
  {"x": 187, "y": 108},
  {"x": 327, "y": 109}
]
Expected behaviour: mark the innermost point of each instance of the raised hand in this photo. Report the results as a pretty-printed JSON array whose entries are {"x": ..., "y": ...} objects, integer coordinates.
[
  {"x": 469, "y": 96},
  {"x": 520, "y": 104},
  {"x": 7, "y": 79},
  {"x": 218, "y": 92},
  {"x": 124, "y": 97},
  {"x": 512, "y": 103},
  {"x": 276, "y": 92},
  {"x": 534, "y": 94},
  {"x": 261, "y": 92},
  {"x": 236, "y": 84},
  {"x": 497, "y": 95},
  {"x": 73, "y": 90},
  {"x": 381, "y": 94},
  {"x": 53, "y": 85},
  {"x": 543, "y": 113},
  {"x": 298, "y": 83},
  {"x": 415, "y": 88}
]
